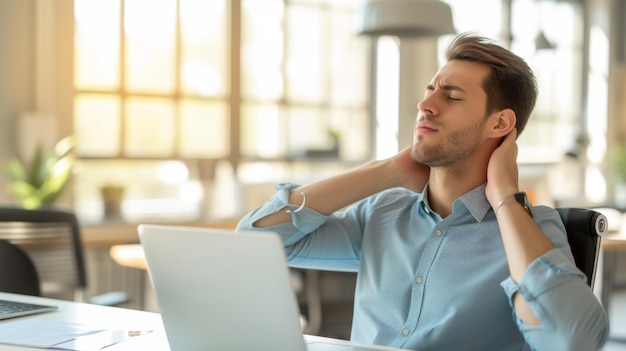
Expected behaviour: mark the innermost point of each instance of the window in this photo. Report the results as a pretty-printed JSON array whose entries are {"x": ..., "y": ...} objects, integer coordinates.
[
  {"x": 240, "y": 94},
  {"x": 304, "y": 80},
  {"x": 149, "y": 85},
  {"x": 229, "y": 90}
]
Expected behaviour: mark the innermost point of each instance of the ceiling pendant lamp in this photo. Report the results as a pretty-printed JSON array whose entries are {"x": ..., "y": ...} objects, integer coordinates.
[{"x": 405, "y": 18}]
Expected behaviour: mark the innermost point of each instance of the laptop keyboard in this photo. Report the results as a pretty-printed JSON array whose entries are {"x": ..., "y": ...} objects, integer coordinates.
[{"x": 13, "y": 308}]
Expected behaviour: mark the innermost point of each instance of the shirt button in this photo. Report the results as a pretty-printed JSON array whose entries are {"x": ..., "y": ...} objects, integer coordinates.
[
  {"x": 418, "y": 280},
  {"x": 437, "y": 232},
  {"x": 405, "y": 331}
]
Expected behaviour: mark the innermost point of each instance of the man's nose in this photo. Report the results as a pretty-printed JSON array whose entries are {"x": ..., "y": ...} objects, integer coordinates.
[{"x": 427, "y": 106}]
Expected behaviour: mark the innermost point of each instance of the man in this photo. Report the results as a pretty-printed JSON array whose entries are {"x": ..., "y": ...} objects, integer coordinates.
[{"x": 448, "y": 254}]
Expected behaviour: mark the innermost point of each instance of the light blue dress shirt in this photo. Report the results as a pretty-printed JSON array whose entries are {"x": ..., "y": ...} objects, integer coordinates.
[{"x": 433, "y": 284}]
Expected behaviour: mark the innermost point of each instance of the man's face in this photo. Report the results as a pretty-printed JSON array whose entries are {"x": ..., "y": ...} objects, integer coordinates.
[{"x": 451, "y": 118}]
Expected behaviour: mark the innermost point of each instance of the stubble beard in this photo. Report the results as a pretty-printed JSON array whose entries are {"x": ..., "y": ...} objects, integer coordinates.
[{"x": 451, "y": 151}]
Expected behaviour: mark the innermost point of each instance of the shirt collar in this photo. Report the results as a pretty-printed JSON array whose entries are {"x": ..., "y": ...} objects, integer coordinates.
[{"x": 475, "y": 201}]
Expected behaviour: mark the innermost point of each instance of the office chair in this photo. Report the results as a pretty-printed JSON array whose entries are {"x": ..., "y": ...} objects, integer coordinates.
[
  {"x": 52, "y": 240},
  {"x": 584, "y": 228},
  {"x": 17, "y": 272}
]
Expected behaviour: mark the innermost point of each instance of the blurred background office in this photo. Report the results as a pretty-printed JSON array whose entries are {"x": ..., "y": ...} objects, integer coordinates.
[{"x": 193, "y": 109}]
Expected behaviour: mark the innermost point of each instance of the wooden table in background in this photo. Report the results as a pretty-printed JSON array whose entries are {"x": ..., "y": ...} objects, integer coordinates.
[
  {"x": 129, "y": 255},
  {"x": 116, "y": 233}
]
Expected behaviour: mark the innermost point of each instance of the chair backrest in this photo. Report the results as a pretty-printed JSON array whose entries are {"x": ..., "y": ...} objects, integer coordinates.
[
  {"x": 584, "y": 228},
  {"x": 17, "y": 272},
  {"x": 52, "y": 239}
]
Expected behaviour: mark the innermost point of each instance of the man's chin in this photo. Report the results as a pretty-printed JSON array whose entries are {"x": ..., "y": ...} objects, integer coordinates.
[{"x": 419, "y": 156}]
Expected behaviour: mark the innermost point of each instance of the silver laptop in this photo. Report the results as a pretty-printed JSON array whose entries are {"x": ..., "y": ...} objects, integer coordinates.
[{"x": 223, "y": 290}]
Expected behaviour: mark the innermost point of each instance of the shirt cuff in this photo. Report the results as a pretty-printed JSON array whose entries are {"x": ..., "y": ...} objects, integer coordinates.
[{"x": 546, "y": 272}]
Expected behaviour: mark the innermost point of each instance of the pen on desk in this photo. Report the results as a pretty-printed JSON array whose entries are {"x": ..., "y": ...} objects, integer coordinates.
[{"x": 132, "y": 333}]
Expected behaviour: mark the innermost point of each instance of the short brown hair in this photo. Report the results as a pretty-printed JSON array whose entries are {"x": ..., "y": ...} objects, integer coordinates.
[{"x": 511, "y": 84}]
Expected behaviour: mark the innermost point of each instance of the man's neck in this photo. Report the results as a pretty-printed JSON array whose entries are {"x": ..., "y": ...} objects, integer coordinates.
[{"x": 445, "y": 186}]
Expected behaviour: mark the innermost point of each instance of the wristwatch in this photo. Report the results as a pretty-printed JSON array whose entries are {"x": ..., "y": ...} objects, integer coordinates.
[{"x": 522, "y": 199}]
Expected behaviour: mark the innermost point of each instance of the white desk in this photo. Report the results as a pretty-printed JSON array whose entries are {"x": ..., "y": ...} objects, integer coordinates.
[{"x": 114, "y": 318}]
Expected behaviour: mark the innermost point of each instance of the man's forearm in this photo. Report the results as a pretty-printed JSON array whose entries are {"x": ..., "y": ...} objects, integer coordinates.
[
  {"x": 334, "y": 193},
  {"x": 523, "y": 243}
]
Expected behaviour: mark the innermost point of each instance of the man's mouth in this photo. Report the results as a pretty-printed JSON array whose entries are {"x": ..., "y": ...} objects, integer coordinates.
[{"x": 424, "y": 126}]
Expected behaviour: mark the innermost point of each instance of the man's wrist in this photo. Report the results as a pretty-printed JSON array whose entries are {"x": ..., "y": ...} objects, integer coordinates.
[{"x": 520, "y": 198}]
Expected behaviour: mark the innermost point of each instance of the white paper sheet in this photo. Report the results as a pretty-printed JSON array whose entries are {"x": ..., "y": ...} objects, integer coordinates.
[{"x": 47, "y": 334}]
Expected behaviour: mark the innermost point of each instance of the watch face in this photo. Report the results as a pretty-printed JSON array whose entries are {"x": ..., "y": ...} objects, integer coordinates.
[{"x": 522, "y": 198}]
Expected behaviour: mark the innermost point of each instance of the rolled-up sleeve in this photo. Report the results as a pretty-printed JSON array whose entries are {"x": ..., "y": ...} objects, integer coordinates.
[
  {"x": 302, "y": 222},
  {"x": 311, "y": 239},
  {"x": 570, "y": 316}
]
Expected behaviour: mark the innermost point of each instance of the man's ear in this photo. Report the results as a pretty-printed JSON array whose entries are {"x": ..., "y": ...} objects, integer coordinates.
[{"x": 502, "y": 123}]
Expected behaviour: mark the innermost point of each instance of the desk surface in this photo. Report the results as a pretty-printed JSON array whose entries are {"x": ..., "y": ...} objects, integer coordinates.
[
  {"x": 100, "y": 316},
  {"x": 118, "y": 318}
]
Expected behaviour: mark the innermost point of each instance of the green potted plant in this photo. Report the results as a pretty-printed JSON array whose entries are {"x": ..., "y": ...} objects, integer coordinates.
[
  {"x": 620, "y": 162},
  {"x": 41, "y": 181}
]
